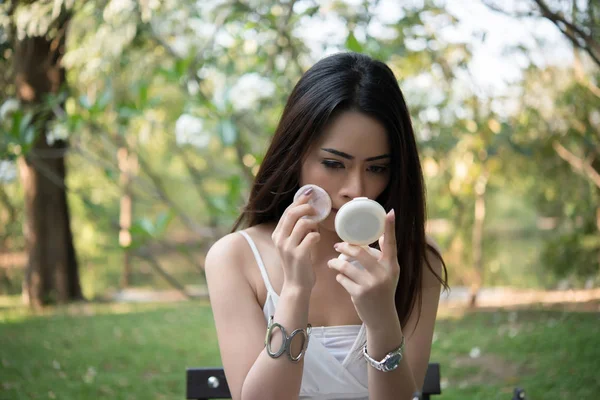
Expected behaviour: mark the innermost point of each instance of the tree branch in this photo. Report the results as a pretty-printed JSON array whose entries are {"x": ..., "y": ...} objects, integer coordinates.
[
  {"x": 166, "y": 247},
  {"x": 591, "y": 46},
  {"x": 156, "y": 266},
  {"x": 162, "y": 193},
  {"x": 513, "y": 14},
  {"x": 240, "y": 152},
  {"x": 573, "y": 33},
  {"x": 197, "y": 179},
  {"x": 581, "y": 167},
  {"x": 90, "y": 156}
]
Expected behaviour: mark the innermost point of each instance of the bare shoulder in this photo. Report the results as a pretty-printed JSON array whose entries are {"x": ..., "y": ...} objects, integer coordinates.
[
  {"x": 225, "y": 253},
  {"x": 431, "y": 242},
  {"x": 232, "y": 252},
  {"x": 435, "y": 262}
]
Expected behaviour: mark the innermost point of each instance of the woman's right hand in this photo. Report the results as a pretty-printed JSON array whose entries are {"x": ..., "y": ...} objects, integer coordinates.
[{"x": 294, "y": 238}]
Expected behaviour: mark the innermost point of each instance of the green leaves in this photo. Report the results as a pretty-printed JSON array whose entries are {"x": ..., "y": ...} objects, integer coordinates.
[
  {"x": 353, "y": 44},
  {"x": 311, "y": 11},
  {"x": 144, "y": 229},
  {"x": 226, "y": 204},
  {"x": 19, "y": 130}
]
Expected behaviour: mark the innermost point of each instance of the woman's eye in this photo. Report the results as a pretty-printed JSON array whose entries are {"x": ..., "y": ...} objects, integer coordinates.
[
  {"x": 378, "y": 169},
  {"x": 332, "y": 164}
]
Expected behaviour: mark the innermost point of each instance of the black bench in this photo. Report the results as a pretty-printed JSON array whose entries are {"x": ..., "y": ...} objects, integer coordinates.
[{"x": 210, "y": 383}]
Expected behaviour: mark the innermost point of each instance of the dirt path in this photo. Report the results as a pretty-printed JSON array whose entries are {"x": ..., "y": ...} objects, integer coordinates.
[
  {"x": 509, "y": 297},
  {"x": 584, "y": 299}
]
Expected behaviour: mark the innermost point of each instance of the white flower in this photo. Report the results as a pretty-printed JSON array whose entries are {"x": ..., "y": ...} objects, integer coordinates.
[
  {"x": 189, "y": 130},
  {"x": 116, "y": 11},
  {"x": 249, "y": 89},
  {"x": 57, "y": 131},
  {"x": 8, "y": 171},
  {"x": 90, "y": 375},
  {"x": 9, "y": 106}
]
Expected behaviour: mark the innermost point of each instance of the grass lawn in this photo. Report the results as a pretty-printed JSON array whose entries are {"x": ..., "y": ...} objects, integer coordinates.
[{"x": 129, "y": 351}]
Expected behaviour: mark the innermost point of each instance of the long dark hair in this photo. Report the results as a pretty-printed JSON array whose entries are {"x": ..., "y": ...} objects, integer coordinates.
[{"x": 338, "y": 83}]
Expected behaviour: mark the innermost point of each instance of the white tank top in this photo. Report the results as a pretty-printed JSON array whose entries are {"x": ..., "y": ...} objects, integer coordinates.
[{"x": 334, "y": 369}]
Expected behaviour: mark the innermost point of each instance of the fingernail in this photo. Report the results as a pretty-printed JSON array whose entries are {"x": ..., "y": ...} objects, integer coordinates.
[
  {"x": 336, "y": 246},
  {"x": 308, "y": 191},
  {"x": 393, "y": 213}
]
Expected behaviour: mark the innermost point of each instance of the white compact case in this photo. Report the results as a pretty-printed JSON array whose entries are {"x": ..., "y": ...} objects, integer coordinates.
[{"x": 360, "y": 222}]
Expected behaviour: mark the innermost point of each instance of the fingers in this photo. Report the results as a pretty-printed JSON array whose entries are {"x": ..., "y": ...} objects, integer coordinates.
[
  {"x": 367, "y": 258},
  {"x": 292, "y": 214},
  {"x": 309, "y": 240},
  {"x": 387, "y": 242},
  {"x": 302, "y": 228},
  {"x": 351, "y": 287},
  {"x": 348, "y": 270}
]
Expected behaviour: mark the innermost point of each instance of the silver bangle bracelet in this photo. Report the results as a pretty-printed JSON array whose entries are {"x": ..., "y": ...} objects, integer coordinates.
[{"x": 287, "y": 341}]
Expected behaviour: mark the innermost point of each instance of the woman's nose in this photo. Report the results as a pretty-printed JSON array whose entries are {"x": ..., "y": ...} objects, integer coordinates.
[{"x": 353, "y": 186}]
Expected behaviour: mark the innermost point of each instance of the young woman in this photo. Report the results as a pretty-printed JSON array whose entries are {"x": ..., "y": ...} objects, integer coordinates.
[{"x": 345, "y": 128}]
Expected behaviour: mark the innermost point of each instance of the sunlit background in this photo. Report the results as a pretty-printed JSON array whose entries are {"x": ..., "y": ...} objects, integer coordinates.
[{"x": 160, "y": 122}]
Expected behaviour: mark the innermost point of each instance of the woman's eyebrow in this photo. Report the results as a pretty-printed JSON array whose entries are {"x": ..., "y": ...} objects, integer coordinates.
[{"x": 349, "y": 157}]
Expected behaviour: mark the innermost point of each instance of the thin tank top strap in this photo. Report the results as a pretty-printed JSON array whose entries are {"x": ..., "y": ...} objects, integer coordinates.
[{"x": 259, "y": 261}]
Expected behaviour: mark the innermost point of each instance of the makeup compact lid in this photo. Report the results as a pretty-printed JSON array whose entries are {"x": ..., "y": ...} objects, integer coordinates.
[{"x": 360, "y": 221}]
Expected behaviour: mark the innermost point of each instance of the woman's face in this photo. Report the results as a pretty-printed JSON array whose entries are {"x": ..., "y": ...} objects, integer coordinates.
[{"x": 351, "y": 159}]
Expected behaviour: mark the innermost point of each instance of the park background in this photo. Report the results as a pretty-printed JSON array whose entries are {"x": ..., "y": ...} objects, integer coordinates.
[{"x": 131, "y": 130}]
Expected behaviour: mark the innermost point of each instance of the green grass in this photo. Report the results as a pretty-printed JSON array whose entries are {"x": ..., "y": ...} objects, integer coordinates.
[
  {"x": 104, "y": 351},
  {"x": 141, "y": 352},
  {"x": 551, "y": 354}
]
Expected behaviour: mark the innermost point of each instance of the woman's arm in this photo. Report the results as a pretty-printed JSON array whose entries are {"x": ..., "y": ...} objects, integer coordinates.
[
  {"x": 372, "y": 291},
  {"x": 410, "y": 374},
  {"x": 241, "y": 327}
]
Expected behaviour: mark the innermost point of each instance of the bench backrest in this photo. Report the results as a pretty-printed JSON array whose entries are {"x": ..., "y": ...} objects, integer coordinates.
[{"x": 210, "y": 383}]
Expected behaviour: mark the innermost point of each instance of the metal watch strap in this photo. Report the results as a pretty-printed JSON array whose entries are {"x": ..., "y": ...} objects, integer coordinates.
[{"x": 391, "y": 360}]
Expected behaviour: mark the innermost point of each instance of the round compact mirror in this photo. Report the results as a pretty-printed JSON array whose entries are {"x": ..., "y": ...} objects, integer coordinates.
[
  {"x": 360, "y": 221},
  {"x": 319, "y": 200}
]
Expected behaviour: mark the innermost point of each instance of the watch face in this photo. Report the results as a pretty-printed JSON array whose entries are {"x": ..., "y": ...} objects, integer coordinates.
[{"x": 393, "y": 360}]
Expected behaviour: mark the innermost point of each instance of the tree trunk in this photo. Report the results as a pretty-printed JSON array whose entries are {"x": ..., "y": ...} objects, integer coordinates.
[
  {"x": 477, "y": 238},
  {"x": 598, "y": 230},
  {"x": 598, "y": 221},
  {"x": 52, "y": 272},
  {"x": 128, "y": 167}
]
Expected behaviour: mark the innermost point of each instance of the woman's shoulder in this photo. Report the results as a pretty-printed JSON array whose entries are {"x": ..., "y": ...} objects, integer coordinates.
[
  {"x": 433, "y": 253},
  {"x": 432, "y": 244},
  {"x": 225, "y": 253},
  {"x": 232, "y": 250}
]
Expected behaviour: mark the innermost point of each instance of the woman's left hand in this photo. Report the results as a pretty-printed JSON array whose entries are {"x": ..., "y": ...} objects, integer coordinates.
[{"x": 372, "y": 289}]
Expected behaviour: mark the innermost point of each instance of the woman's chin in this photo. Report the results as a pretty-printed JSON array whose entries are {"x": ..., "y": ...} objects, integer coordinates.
[{"x": 328, "y": 223}]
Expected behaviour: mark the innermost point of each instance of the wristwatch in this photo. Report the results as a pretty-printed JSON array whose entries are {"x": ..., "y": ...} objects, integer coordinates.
[{"x": 391, "y": 360}]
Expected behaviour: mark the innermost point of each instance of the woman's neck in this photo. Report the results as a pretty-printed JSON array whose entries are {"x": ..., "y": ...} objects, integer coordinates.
[{"x": 324, "y": 250}]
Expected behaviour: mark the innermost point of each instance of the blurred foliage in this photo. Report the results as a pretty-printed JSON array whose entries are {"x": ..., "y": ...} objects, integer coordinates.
[{"x": 195, "y": 90}]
